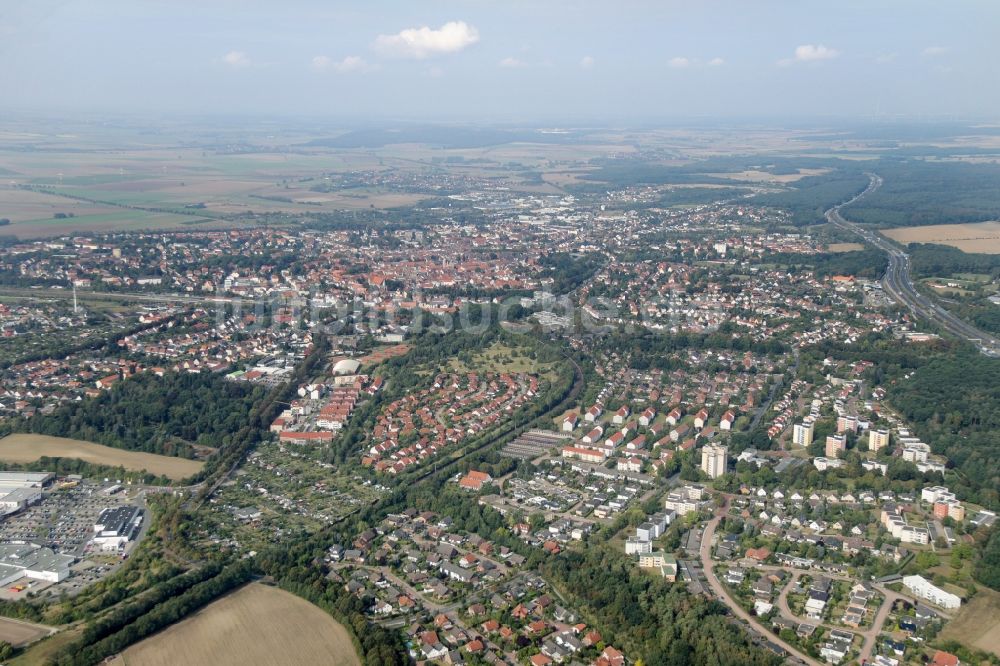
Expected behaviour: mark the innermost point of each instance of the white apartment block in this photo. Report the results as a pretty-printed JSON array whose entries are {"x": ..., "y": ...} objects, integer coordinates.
[
  {"x": 897, "y": 526},
  {"x": 916, "y": 452},
  {"x": 714, "y": 459},
  {"x": 933, "y": 494},
  {"x": 684, "y": 500},
  {"x": 822, "y": 464},
  {"x": 923, "y": 588}
]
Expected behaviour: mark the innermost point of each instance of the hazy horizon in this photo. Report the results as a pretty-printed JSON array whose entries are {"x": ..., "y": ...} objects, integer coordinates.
[{"x": 520, "y": 61}]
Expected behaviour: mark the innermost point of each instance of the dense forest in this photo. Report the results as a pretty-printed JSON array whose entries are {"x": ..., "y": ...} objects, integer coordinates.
[
  {"x": 652, "y": 350},
  {"x": 954, "y": 402},
  {"x": 812, "y": 196},
  {"x": 664, "y": 623},
  {"x": 869, "y": 263},
  {"x": 624, "y": 172},
  {"x": 930, "y": 260},
  {"x": 917, "y": 192},
  {"x": 154, "y": 414}
]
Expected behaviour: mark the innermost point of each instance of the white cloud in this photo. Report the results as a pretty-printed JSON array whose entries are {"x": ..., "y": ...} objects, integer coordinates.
[
  {"x": 716, "y": 62},
  {"x": 236, "y": 59},
  {"x": 886, "y": 58},
  {"x": 679, "y": 62},
  {"x": 352, "y": 63},
  {"x": 424, "y": 42},
  {"x": 934, "y": 51},
  {"x": 810, "y": 53},
  {"x": 587, "y": 62},
  {"x": 512, "y": 62}
]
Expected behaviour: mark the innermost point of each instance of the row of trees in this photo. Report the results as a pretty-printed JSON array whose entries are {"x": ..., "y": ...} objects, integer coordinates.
[{"x": 159, "y": 616}]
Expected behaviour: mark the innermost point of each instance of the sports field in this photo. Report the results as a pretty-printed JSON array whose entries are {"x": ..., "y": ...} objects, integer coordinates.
[
  {"x": 257, "y": 625},
  {"x": 25, "y": 448}
]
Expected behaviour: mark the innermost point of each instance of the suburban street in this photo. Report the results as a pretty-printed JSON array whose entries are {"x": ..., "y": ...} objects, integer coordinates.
[
  {"x": 723, "y": 595},
  {"x": 869, "y": 635},
  {"x": 898, "y": 284}
]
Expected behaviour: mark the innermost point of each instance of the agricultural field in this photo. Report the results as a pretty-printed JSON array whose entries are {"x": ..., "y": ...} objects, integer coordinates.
[
  {"x": 25, "y": 448},
  {"x": 754, "y": 176},
  {"x": 112, "y": 220},
  {"x": 844, "y": 247},
  {"x": 42, "y": 652},
  {"x": 19, "y": 633},
  {"x": 19, "y": 206},
  {"x": 978, "y": 623},
  {"x": 256, "y": 624},
  {"x": 382, "y": 354},
  {"x": 982, "y": 237},
  {"x": 145, "y": 187}
]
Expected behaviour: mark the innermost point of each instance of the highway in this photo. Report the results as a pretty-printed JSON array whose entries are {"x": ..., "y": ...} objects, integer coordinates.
[{"x": 897, "y": 283}]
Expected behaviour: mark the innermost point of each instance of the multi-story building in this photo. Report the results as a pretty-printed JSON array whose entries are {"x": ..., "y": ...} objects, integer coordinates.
[
  {"x": 684, "y": 500},
  {"x": 822, "y": 463},
  {"x": 932, "y": 494},
  {"x": 878, "y": 439},
  {"x": 714, "y": 459},
  {"x": 923, "y": 588},
  {"x": 802, "y": 434},
  {"x": 896, "y": 525},
  {"x": 835, "y": 445},
  {"x": 847, "y": 424},
  {"x": 587, "y": 455},
  {"x": 915, "y": 452}
]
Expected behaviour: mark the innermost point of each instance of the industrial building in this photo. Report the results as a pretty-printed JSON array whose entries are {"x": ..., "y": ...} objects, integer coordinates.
[
  {"x": 21, "y": 489},
  {"x": 29, "y": 560},
  {"x": 116, "y": 527}
]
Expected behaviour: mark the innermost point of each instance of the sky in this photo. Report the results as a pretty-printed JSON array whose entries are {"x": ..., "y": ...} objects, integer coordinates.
[{"x": 504, "y": 60}]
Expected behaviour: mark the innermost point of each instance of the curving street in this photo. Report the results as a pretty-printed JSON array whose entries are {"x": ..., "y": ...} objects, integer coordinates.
[
  {"x": 869, "y": 635},
  {"x": 897, "y": 283},
  {"x": 721, "y": 593}
]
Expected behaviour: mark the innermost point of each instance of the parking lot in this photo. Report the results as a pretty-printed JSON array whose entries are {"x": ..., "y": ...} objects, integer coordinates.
[{"x": 64, "y": 519}]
